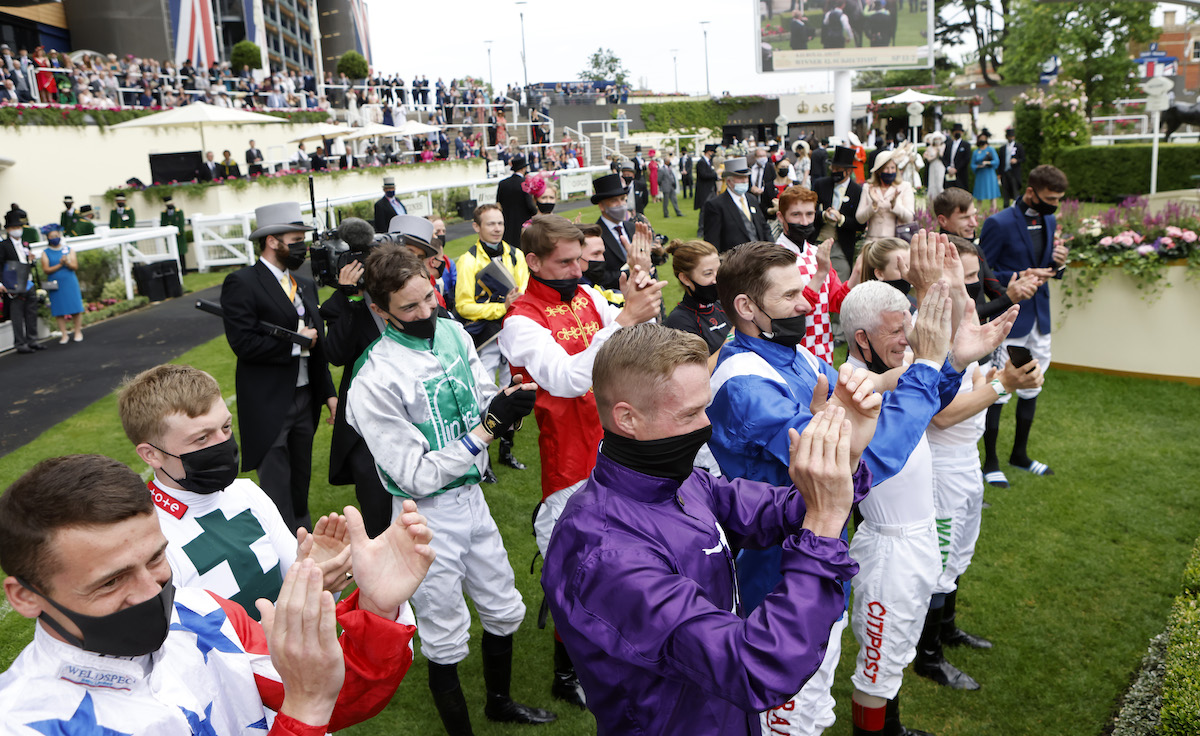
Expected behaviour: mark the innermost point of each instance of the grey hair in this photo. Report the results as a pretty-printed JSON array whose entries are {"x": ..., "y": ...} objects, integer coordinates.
[{"x": 866, "y": 303}]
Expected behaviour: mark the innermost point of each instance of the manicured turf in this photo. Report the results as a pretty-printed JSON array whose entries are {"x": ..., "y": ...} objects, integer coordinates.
[{"x": 1073, "y": 573}]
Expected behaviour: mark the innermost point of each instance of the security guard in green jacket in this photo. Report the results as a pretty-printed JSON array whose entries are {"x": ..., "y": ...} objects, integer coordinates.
[
  {"x": 121, "y": 216},
  {"x": 84, "y": 225},
  {"x": 69, "y": 216},
  {"x": 174, "y": 216}
]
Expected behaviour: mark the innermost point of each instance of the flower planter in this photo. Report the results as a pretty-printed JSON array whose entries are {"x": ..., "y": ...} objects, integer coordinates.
[{"x": 1122, "y": 331}]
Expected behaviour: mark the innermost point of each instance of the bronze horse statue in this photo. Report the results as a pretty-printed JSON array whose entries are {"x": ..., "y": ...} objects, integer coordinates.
[{"x": 1178, "y": 115}]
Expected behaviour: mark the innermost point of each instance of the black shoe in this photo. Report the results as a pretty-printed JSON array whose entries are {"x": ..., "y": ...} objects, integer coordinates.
[
  {"x": 503, "y": 709},
  {"x": 956, "y": 637},
  {"x": 566, "y": 685},
  {"x": 488, "y": 476},
  {"x": 37, "y": 346},
  {"x": 506, "y": 456},
  {"x": 24, "y": 350},
  {"x": 936, "y": 668},
  {"x": 891, "y": 721}
]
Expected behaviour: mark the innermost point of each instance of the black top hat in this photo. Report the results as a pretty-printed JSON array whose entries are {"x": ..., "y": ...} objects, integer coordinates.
[
  {"x": 85, "y": 208},
  {"x": 605, "y": 187},
  {"x": 120, "y": 197},
  {"x": 842, "y": 156},
  {"x": 12, "y": 218},
  {"x": 167, "y": 199},
  {"x": 986, "y": 132},
  {"x": 710, "y": 147},
  {"x": 518, "y": 162},
  {"x": 68, "y": 198},
  {"x": 956, "y": 128},
  {"x": 637, "y": 149}
]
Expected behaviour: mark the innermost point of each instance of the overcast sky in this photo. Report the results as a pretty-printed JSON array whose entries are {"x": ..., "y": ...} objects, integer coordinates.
[{"x": 560, "y": 35}]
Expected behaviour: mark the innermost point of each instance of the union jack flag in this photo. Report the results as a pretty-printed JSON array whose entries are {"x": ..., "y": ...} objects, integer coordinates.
[
  {"x": 195, "y": 32},
  {"x": 362, "y": 29}
]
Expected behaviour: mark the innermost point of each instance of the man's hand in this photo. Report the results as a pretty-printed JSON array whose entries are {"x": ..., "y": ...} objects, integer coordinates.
[
  {"x": 643, "y": 298},
  {"x": 1060, "y": 254},
  {"x": 301, "y": 630},
  {"x": 832, "y": 216},
  {"x": 389, "y": 567},
  {"x": 508, "y": 408},
  {"x": 350, "y": 274},
  {"x": 1042, "y": 274},
  {"x": 930, "y": 336},
  {"x": 952, "y": 269},
  {"x": 824, "y": 265},
  {"x": 511, "y": 297},
  {"x": 1015, "y": 377},
  {"x": 973, "y": 340},
  {"x": 926, "y": 261},
  {"x": 310, "y": 333},
  {"x": 821, "y": 470},
  {"x": 1022, "y": 287},
  {"x": 638, "y": 252},
  {"x": 855, "y": 392},
  {"x": 332, "y": 403},
  {"x": 329, "y": 546}
]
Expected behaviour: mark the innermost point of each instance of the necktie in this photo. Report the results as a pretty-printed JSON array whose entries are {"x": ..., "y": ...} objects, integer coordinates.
[
  {"x": 745, "y": 209},
  {"x": 618, "y": 231},
  {"x": 288, "y": 284}
]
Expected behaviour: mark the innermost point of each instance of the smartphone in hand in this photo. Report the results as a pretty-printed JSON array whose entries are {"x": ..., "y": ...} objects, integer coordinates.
[{"x": 1019, "y": 355}]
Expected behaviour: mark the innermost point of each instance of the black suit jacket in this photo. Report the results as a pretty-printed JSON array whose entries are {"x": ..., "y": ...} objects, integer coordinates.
[
  {"x": 1005, "y": 166},
  {"x": 251, "y": 155},
  {"x": 204, "y": 173},
  {"x": 847, "y": 232},
  {"x": 961, "y": 162},
  {"x": 818, "y": 168},
  {"x": 266, "y": 370},
  {"x": 706, "y": 182},
  {"x": 725, "y": 225},
  {"x": 349, "y": 331},
  {"x": 614, "y": 258},
  {"x": 384, "y": 212},
  {"x": 517, "y": 207}
]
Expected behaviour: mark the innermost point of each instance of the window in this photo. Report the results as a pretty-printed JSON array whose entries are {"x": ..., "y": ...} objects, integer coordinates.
[{"x": 1195, "y": 50}]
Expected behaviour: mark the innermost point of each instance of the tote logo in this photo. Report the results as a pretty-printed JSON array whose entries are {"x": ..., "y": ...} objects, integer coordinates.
[{"x": 195, "y": 34}]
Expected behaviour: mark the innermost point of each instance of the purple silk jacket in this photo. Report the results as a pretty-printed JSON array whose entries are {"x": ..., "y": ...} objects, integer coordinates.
[{"x": 640, "y": 578}]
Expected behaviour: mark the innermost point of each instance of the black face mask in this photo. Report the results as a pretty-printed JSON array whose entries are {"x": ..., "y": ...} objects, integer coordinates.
[
  {"x": 706, "y": 294},
  {"x": 492, "y": 249},
  {"x": 441, "y": 268},
  {"x": 594, "y": 272},
  {"x": 130, "y": 632},
  {"x": 669, "y": 457},
  {"x": 564, "y": 287},
  {"x": 419, "y": 328},
  {"x": 900, "y": 284},
  {"x": 786, "y": 331},
  {"x": 545, "y": 207},
  {"x": 297, "y": 252},
  {"x": 801, "y": 234},
  {"x": 875, "y": 364},
  {"x": 838, "y": 175},
  {"x": 208, "y": 470},
  {"x": 975, "y": 289},
  {"x": 627, "y": 181},
  {"x": 1043, "y": 208}
]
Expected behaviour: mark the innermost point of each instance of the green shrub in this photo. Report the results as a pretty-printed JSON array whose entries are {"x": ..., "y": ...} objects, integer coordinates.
[
  {"x": 1191, "y": 573},
  {"x": 245, "y": 53},
  {"x": 353, "y": 65},
  {"x": 114, "y": 289},
  {"x": 713, "y": 114},
  {"x": 1180, "y": 714},
  {"x": 1110, "y": 173},
  {"x": 96, "y": 269}
]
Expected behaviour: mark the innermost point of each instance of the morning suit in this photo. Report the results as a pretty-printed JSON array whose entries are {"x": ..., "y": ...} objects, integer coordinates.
[
  {"x": 847, "y": 232},
  {"x": 666, "y": 187},
  {"x": 385, "y": 211},
  {"x": 726, "y": 225},
  {"x": 276, "y": 417},
  {"x": 20, "y": 305},
  {"x": 1010, "y": 173},
  {"x": 961, "y": 161},
  {"x": 706, "y": 182},
  {"x": 615, "y": 255},
  {"x": 685, "y": 174},
  {"x": 517, "y": 205},
  {"x": 819, "y": 168}
]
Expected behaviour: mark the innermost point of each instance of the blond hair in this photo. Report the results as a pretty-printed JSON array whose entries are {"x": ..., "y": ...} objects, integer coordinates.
[
  {"x": 687, "y": 254},
  {"x": 151, "y": 396},
  {"x": 875, "y": 255},
  {"x": 634, "y": 363}
]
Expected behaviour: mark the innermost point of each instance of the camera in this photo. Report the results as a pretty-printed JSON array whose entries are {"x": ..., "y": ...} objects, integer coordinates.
[{"x": 334, "y": 249}]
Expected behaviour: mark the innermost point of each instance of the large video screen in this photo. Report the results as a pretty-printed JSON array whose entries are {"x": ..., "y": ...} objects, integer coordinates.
[{"x": 816, "y": 35}]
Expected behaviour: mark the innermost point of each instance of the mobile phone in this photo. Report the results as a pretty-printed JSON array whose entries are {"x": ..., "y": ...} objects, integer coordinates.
[{"x": 1019, "y": 355}]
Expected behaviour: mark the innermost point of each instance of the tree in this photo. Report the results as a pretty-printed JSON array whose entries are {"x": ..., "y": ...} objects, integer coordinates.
[
  {"x": 245, "y": 53},
  {"x": 942, "y": 69},
  {"x": 353, "y": 65},
  {"x": 1090, "y": 38},
  {"x": 604, "y": 65},
  {"x": 984, "y": 19}
]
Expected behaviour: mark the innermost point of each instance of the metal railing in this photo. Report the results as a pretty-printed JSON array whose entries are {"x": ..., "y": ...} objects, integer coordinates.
[
  {"x": 163, "y": 239},
  {"x": 582, "y": 138}
]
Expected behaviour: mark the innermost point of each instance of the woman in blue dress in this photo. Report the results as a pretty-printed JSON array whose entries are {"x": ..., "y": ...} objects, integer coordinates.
[
  {"x": 60, "y": 264},
  {"x": 984, "y": 161}
]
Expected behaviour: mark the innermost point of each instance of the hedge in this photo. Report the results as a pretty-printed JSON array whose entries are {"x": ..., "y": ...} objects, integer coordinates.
[
  {"x": 78, "y": 116},
  {"x": 1180, "y": 715},
  {"x": 663, "y": 117},
  {"x": 1111, "y": 173}
]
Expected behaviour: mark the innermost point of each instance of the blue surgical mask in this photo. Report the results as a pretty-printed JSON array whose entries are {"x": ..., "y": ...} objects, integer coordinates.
[
  {"x": 888, "y": 178},
  {"x": 741, "y": 188},
  {"x": 54, "y": 241}
]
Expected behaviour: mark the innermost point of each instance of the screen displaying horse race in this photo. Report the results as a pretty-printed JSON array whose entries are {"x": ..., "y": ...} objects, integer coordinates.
[{"x": 813, "y": 35}]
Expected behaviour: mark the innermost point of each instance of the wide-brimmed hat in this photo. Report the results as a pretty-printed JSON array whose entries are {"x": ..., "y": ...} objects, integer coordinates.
[
  {"x": 518, "y": 162},
  {"x": 842, "y": 156},
  {"x": 277, "y": 219},
  {"x": 933, "y": 138},
  {"x": 608, "y": 186},
  {"x": 736, "y": 167},
  {"x": 415, "y": 231},
  {"x": 800, "y": 144},
  {"x": 881, "y": 160}
]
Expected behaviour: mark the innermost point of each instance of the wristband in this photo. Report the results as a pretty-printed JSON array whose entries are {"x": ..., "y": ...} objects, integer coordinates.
[
  {"x": 998, "y": 387},
  {"x": 469, "y": 442},
  {"x": 355, "y": 298}
]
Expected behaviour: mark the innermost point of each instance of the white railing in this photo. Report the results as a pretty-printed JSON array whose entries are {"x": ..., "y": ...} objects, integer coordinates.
[
  {"x": 582, "y": 138},
  {"x": 221, "y": 240},
  {"x": 1109, "y": 121},
  {"x": 161, "y": 244}
]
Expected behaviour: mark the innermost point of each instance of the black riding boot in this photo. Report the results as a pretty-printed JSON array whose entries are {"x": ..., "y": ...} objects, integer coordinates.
[
  {"x": 931, "y": 663},
  {"x": 891, "y": 721},
  {"x": 449, "y": 699},
  {"x": 506, "y": 448},
  {"x": 566, "y": 683},
  {"x": 951, "y": 635},
  {"x": 497, "y": 675}
]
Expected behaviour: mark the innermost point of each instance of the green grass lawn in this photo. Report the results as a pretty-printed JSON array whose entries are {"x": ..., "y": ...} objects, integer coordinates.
[{"x": 1072, "y": 576}]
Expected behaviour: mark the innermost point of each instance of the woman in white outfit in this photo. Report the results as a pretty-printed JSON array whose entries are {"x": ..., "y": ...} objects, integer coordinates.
[{"x": 934, "y": 144}]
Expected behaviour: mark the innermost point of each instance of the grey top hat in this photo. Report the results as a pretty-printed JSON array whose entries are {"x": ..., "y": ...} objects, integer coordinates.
[
  {"x": 416, "y": 231},
  {"x": 277, "y": 219},
  {"x": 389, "y": 181},
  {"x": 736, "y": 167}
]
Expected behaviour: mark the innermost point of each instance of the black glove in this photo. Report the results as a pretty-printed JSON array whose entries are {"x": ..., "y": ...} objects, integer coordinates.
[{"x": 507, "y": 410}]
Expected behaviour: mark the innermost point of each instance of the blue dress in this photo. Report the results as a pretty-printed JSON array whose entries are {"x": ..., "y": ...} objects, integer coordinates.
[
  {"x": 987, "y": 185},
  {"x": 67, "y": 299}
]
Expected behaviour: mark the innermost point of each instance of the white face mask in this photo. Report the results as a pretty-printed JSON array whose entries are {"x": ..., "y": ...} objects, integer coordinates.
[{"x": 14, "y": 234}]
